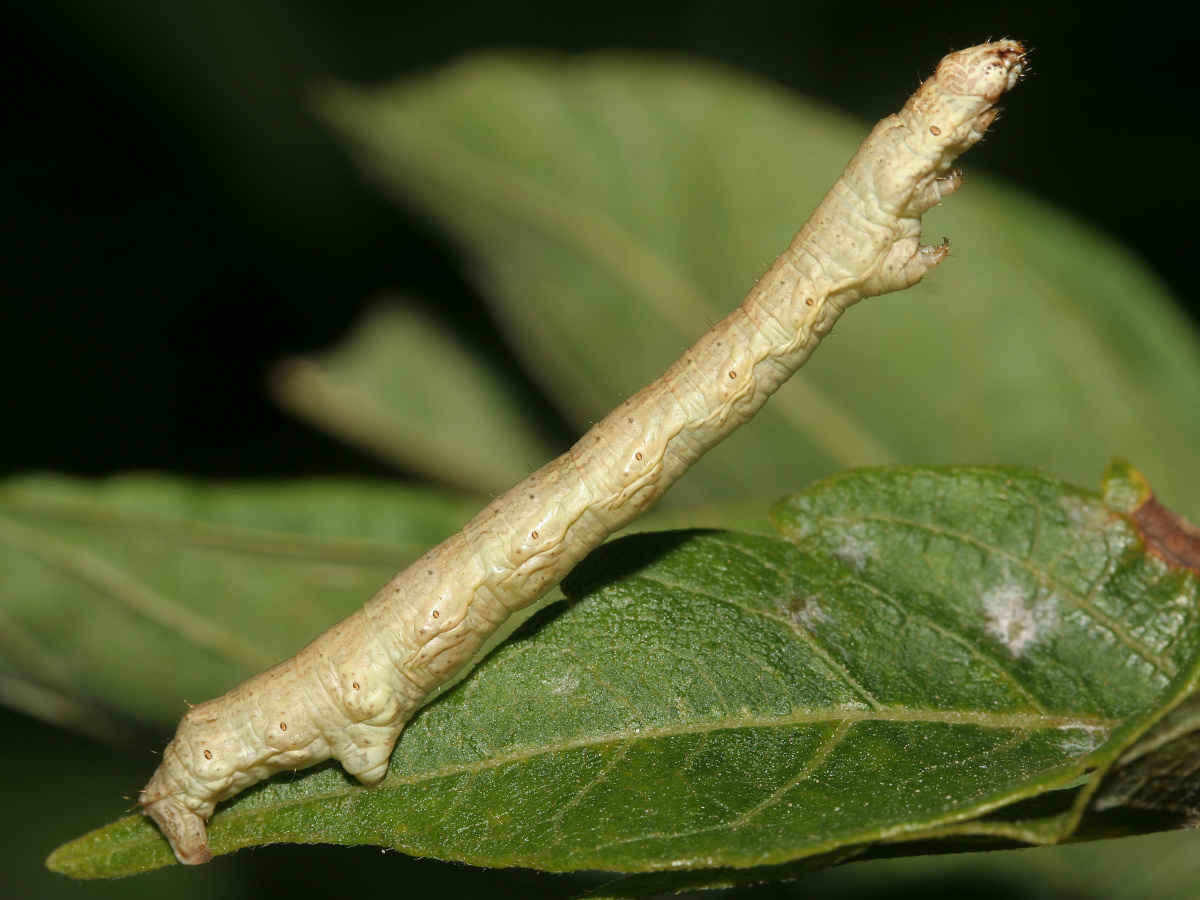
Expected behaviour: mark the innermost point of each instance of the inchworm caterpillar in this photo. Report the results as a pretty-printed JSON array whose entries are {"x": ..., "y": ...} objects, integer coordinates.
[{"x": 349, "y": 693}]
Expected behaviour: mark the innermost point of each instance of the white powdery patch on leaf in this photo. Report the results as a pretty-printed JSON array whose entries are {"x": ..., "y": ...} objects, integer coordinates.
[
  {"x": 808, "y": 614},
  {"x": 1015, "y": 619},
  {"x": 1083, "y": 514},
  {"x": 1080, "y": 740},
  {"x": 855, "y": 549},
  {"x": 563, "y": 684}
]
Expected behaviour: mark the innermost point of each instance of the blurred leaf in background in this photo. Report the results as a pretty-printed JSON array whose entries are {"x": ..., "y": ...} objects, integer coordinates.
[
  {"x": 126, "y": 597},
  {"x": 612, "y": 203},
  {"x": 406, "y": 387}
]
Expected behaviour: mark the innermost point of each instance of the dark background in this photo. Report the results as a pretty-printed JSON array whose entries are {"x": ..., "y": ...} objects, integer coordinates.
[{"x": 172, "y": 218}]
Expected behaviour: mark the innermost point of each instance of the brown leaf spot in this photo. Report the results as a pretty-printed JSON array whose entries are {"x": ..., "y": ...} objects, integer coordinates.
[{"x": 1168, "y": 535}]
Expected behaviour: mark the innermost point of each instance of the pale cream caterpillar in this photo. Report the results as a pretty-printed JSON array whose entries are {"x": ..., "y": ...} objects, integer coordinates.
[{"x": 349, "y": 693}]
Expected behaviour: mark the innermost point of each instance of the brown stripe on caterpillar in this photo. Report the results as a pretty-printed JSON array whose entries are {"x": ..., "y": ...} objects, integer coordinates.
[{"x": 348, "y": 694}]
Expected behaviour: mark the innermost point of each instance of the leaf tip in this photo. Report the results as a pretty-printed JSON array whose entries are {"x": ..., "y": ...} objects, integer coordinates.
[
  {"x": 1125, "y": 489},
  {"x": 66, "y": 859},
  {"x": 125, "y": 847}
]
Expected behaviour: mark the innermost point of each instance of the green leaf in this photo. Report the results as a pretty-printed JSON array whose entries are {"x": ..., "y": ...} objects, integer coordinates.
[
  {"x": 120, "y": 599},
  {"x": 615, "y": 204},
  {"x": 1160, "y": 774},
  {"x": 404, "y": 386},
  {"x": 921, "y": 653},
  {"x": 1020, "y": 574}
]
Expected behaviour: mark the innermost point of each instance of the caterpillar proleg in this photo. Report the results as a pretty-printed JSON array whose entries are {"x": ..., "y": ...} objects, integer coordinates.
[{"x": 349, "y": 693}]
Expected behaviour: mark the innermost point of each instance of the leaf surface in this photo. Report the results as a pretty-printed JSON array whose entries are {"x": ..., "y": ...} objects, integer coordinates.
[{"x": 917, "y": 653}]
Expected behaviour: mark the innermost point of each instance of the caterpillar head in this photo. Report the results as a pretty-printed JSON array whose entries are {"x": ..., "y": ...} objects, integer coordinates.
[
  {"x": 985, "y": 71},
  {"x": 954, "y": 108},
  {"x": 183, "y": 826}
]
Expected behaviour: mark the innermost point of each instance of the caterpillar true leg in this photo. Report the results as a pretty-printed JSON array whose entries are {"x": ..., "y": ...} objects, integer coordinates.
[{"x": 348, "y": 694}]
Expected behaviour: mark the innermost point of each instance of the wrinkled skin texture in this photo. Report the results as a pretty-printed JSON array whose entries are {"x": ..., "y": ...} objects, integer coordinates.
[{"x": 349, "y": 693}]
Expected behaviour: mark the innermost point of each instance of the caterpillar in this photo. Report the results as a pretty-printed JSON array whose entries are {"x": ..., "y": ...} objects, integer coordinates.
[{"x": 348, "y": 694}]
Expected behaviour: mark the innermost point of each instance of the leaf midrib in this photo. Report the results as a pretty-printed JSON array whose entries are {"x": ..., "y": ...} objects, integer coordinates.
[{"x": 1027, "y": 722}]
